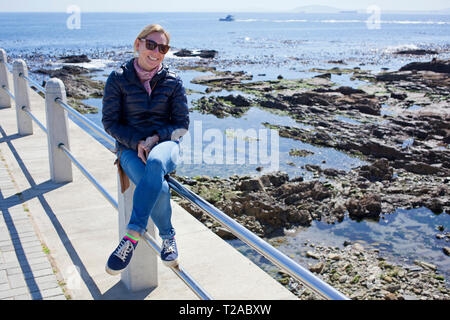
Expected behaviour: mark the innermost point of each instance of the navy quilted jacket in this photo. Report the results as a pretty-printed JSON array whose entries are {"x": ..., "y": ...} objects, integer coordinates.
[{"x": 130, "y": 114}]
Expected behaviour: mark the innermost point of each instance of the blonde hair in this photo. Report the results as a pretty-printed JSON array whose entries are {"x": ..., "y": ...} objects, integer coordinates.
[{"x": 151, "y": 28}]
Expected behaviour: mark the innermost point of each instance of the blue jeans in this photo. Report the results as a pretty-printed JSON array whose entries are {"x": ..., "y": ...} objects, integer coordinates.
[{"x": 152, "y": 195}]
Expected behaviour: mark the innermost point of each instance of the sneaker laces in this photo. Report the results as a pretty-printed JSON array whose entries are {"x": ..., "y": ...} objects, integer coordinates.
[
  {"x": 124, "y": 248},
  {"x": 169, "y": 246}
]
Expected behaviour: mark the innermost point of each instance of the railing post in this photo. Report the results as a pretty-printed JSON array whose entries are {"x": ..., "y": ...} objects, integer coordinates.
[
  {"x": 142, "y": 272},
  {"x": 22, "y": 95},
  {"x": 57, "y": 126},
  {"x": 5, "y": 99}
]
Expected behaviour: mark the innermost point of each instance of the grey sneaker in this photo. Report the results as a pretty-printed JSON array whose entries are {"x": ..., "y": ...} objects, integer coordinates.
[{"x": 169, "y": 252}]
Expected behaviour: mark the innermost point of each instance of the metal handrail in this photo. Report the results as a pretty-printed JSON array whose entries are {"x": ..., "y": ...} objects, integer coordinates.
[
  {"x": 183, "y": 275},
  {"x": 96, "y": 184},
  {"x": 35, "y": 84},
  {"x": 24, "y": 109},
  {"x": 275, "y": 256},
  {"x": 8, "y": 92},
  {"x": 86, "y": 121}
]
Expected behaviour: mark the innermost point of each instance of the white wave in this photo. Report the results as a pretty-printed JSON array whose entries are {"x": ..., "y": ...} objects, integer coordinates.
[
  {"x": 289, "y": 21},
  {"x": 415, "y": 22},
  {"x": 252, "y": 20},
  {"x": 95, "y": 64},
  {"x": 346, "y": 21},
  {"x": 392, "y": 49},
  {"x": 340, "y": 21},
  {"x": 385, "y": 21}
]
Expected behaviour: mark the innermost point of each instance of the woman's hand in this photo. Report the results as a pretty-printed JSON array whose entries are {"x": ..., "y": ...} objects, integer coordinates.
[
  {"x": 144, "y": 147},
  {"x": 142, "y": 151}
]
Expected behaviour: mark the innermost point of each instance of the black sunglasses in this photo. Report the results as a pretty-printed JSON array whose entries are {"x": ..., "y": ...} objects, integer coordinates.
[{"x": 151, "y": 45}]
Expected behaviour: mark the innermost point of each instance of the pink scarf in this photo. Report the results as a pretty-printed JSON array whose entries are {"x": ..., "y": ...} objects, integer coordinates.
[{"x": 145, "y": 76}]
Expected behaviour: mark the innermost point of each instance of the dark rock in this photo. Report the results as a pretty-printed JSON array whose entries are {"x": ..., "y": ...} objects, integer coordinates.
[
  {"x": 317, "y": 268},
  {"x": 301, "y": 217},
  {"x": 434, "y": 205},
  {"x": 253, "y": 184},
  {"x": 393, "y": 76},
  {"x": 399, "y": 96},
  {"x": 225, "y": 234},
  {"x": 78, "y": 86},
  {"x": 367, "y": 207},
  {"x": 378, "y": 171},
  {"x": 319, "y": 191},
  {"x": 208, "y": 54},
  {"x": 212, "y": 78},
  {"x": 419, "y": 167},
  {"x": 337, "y": 61},
  {"x": 63, "y": 72},
  {"x": 369, "y": 108},
  {"x": 416, "y": 52},
  {"x": 380, "y": 150},
  {"x": 349, "y": 90},
  {"x": 332, "y": 172},
  {"x": 324, "y": 76},
  {"x": 76, "y": 59},
  {"x": 439, "y": 66},
  {"x": 274, "y": 179},
  {"x": 238, "y": 100},
  {"x": 297, "y": 179},
  {"x": 446, "y": 250}
]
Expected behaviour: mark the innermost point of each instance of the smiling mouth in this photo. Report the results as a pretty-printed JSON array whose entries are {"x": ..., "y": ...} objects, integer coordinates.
[{"x": 152, "y": 59}]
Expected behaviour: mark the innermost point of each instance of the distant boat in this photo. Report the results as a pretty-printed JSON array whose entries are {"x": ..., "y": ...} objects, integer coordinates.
[
  {"x": 227, "y": 18},
  {"x": 348, "y": 11}
]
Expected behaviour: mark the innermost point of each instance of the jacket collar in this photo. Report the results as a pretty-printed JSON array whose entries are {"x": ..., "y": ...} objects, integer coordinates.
[{"x": 131, "y": 75}]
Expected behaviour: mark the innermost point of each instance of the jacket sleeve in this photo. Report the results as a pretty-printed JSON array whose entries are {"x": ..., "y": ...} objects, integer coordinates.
[
  {"x": 111, "y": 115},
  {"x": 179, "y": 115}
]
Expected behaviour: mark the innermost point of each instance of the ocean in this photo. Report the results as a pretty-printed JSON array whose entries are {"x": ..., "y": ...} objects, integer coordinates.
[
  {"x": 266, "y": 45},
  {"x": 262, "y": 38}
]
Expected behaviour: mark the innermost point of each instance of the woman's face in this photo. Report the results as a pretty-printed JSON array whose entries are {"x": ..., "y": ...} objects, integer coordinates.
[{"x": 150, "y": 59}]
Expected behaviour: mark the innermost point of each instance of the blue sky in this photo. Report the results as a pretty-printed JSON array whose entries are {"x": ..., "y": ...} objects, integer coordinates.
[{"x": 208, "y": 5}]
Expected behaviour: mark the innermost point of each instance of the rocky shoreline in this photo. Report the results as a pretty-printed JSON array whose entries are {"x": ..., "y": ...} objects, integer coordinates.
[
  {"x": 408, "y": 152},
  {"x": 397, "y": 121},
  {"x": 415, "y": 139},
  {"x": 270, "y": 204},
  {"x": 363, "y": 274}
]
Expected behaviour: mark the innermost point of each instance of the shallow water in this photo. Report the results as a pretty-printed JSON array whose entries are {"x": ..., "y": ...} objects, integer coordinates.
[
  {"x": 250, "y": 122},
  {"x": 402, "y": 237}
]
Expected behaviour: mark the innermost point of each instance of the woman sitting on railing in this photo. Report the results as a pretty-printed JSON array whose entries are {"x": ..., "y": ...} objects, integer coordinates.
[{"x": 145, "y": 110}]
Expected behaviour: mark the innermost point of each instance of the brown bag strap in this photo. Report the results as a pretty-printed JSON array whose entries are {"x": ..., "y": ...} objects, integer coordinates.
[{"x": 124, "y": 180}]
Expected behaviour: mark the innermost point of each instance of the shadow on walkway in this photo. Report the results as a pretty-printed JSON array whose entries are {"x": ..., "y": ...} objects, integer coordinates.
[{"x": 38, "y": 191}]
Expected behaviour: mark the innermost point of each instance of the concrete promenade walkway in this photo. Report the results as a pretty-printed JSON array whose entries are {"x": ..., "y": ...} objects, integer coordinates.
[{"x": 55, "y": 238}]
